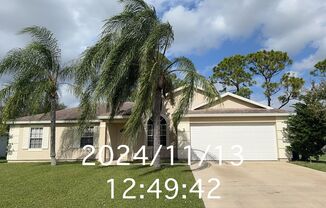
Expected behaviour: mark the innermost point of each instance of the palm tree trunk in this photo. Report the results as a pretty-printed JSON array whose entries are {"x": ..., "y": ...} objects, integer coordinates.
[
  {"x": 269, "y": 101},
  {"x": 53, "y": 121},
  {"x": 156, "y": 125}
]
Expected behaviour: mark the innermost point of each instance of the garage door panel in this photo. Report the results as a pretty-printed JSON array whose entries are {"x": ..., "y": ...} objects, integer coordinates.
[{"x": 258, "y": 141}]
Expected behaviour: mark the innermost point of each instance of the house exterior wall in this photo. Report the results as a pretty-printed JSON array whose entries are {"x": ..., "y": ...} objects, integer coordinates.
[
  {"x": 198, "y": 99},
  {"x": 184, "y": 134},
  {"x": 13, "y": 142},
  {"x": 282, "y": 143},
  {"x": 116, "y": 137},
  {"x": 67, "y": 143},
  {"x": 229, "y": 102}
]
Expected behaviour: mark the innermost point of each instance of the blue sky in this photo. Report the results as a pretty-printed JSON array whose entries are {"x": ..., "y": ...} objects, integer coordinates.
[
  {"x": 296, "y": 27},
  {"x": 206, "y": 31},
  {"x": 207, "y": 60}
]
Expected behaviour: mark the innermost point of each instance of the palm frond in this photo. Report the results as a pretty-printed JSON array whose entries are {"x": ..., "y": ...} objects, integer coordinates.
[
  {"x": 135, "y": 6},
  {"x": 145, "y": 92},
  {"x": 192, "y": 80},
  {"x": 169, "y": 87},
  {"x": 46, "y": 38}
]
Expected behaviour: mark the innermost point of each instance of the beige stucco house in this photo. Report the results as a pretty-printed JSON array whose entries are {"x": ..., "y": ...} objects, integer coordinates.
[{"x": 230, "y": 120}]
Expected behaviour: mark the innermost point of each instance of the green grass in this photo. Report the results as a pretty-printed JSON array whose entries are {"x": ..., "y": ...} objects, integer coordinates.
[
  {"x": 317, "y": 165},
  {"x": 74, "y": 185}
]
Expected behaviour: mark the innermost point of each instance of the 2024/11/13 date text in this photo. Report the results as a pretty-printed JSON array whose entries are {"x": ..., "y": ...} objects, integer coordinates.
[
  {"x": 170, "y": 185},
  {"x": 141, "y": 155}
]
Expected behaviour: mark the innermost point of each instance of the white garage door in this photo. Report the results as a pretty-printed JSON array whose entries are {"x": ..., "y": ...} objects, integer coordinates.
[{"x": 258, "y": 141}]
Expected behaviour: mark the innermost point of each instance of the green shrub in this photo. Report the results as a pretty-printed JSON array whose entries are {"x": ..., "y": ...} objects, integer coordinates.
[{"x": 306, "y": 130}]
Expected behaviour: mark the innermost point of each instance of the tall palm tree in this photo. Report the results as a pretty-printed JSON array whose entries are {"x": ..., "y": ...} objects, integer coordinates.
[
  {"x": 36, "y": 75},
  {"x": 131, "y": 57}
]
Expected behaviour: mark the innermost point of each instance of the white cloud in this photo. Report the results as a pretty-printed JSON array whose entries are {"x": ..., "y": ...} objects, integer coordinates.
[
  {"x": 310, "y": 61},
  {"x": 76, "y": 24},
  {"x": 212, "y": 21},
  {"x": 289, "y": 25},
  {"x": 162, "y": 5},
  {"x": 199, "y": 25}
]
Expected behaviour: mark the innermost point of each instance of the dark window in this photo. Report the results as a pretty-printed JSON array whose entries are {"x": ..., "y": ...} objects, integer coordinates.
[
  {"x": 87, "y": 137},
  {"x": 150, "y": 132},
  {"x": 36, "y": 135}
]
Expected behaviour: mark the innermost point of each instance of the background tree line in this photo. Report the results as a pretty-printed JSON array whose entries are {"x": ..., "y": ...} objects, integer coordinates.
[{"x": 238, "y": 72}]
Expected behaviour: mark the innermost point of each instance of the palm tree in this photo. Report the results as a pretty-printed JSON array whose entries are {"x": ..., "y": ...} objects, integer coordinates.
[
  {"x": 36, "y": 75},
  {"x": 130, "y": 57}
]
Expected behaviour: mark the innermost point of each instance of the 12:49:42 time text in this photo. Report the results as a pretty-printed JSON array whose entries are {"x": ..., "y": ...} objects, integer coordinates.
[{"x": 171, "y": 189}]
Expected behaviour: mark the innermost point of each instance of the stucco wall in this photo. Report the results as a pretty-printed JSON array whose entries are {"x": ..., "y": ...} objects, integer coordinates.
[
  {"x": 229, "y": 102},
  {"x": 198, "y": 99},
  {"x": 13, "y": 142},
  {"x": 281, "y": 141},
  {"x": 67, "y": 143},
  {"x": 116, "y": 137},
  {"x": 225, "y": 102}
]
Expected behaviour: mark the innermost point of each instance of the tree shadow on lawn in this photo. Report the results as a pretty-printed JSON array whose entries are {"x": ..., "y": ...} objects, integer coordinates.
[
  {"x": 152, "y": 170},
  {"x": 318, "y": 161},
  {"x": 186, "y": 168},
  {"x": 59, "y": 164}
]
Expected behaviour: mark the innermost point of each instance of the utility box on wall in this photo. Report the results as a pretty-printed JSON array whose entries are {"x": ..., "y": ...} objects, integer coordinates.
[{"x": 3, "y": 146}]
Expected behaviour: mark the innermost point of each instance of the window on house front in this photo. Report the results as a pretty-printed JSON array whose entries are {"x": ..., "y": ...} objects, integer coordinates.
[
  {"x": 150, "y": 132},
  {"x": 87, "y": 137},
  {"x": 36, "y": 136}
]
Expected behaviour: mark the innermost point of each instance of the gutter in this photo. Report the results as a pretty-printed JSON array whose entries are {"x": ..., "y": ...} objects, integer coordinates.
[
  {"x": 98, "y": 120},
  {"x": 194, "y": 115},
  {"x": 115, "y": 117},
  {"x": 48, "y": 122}
]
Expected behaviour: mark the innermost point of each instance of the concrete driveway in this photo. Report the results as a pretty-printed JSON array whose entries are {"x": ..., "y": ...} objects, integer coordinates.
[{"x": 263, "y": 184}]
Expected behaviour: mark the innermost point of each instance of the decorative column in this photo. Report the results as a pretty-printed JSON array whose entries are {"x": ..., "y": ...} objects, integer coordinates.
[{"x": 102, "y": 138}]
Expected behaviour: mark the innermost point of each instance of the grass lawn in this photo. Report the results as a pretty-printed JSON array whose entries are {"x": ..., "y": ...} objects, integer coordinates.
[
  {"x": 317, "y": 165},
  {"x": 74, "y": 185}
]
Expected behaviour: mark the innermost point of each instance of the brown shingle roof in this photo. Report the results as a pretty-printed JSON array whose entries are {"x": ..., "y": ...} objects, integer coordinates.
[
  {"x": 74, "y": 113},
  {"x": 125, "y": 109}
]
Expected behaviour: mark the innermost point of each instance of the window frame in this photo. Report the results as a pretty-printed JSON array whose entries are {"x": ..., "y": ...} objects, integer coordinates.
[
  {"x": 86, "y": 137},
  {"x": 36, "y": 137}
]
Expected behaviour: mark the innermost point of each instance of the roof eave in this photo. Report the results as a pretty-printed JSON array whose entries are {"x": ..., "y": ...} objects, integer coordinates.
[
  {"x": 192, "y": 115},
  {"x": 99, "y": 119},
  {"x": 47, "y": 122},
  {"x": 115, "y": 117}
]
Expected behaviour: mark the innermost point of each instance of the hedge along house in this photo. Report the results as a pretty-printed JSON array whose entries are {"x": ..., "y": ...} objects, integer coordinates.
[{"x": 230, "y": 120}]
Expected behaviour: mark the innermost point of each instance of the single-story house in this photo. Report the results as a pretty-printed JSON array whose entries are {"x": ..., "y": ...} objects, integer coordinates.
[{"x": 230, "y": 120}]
